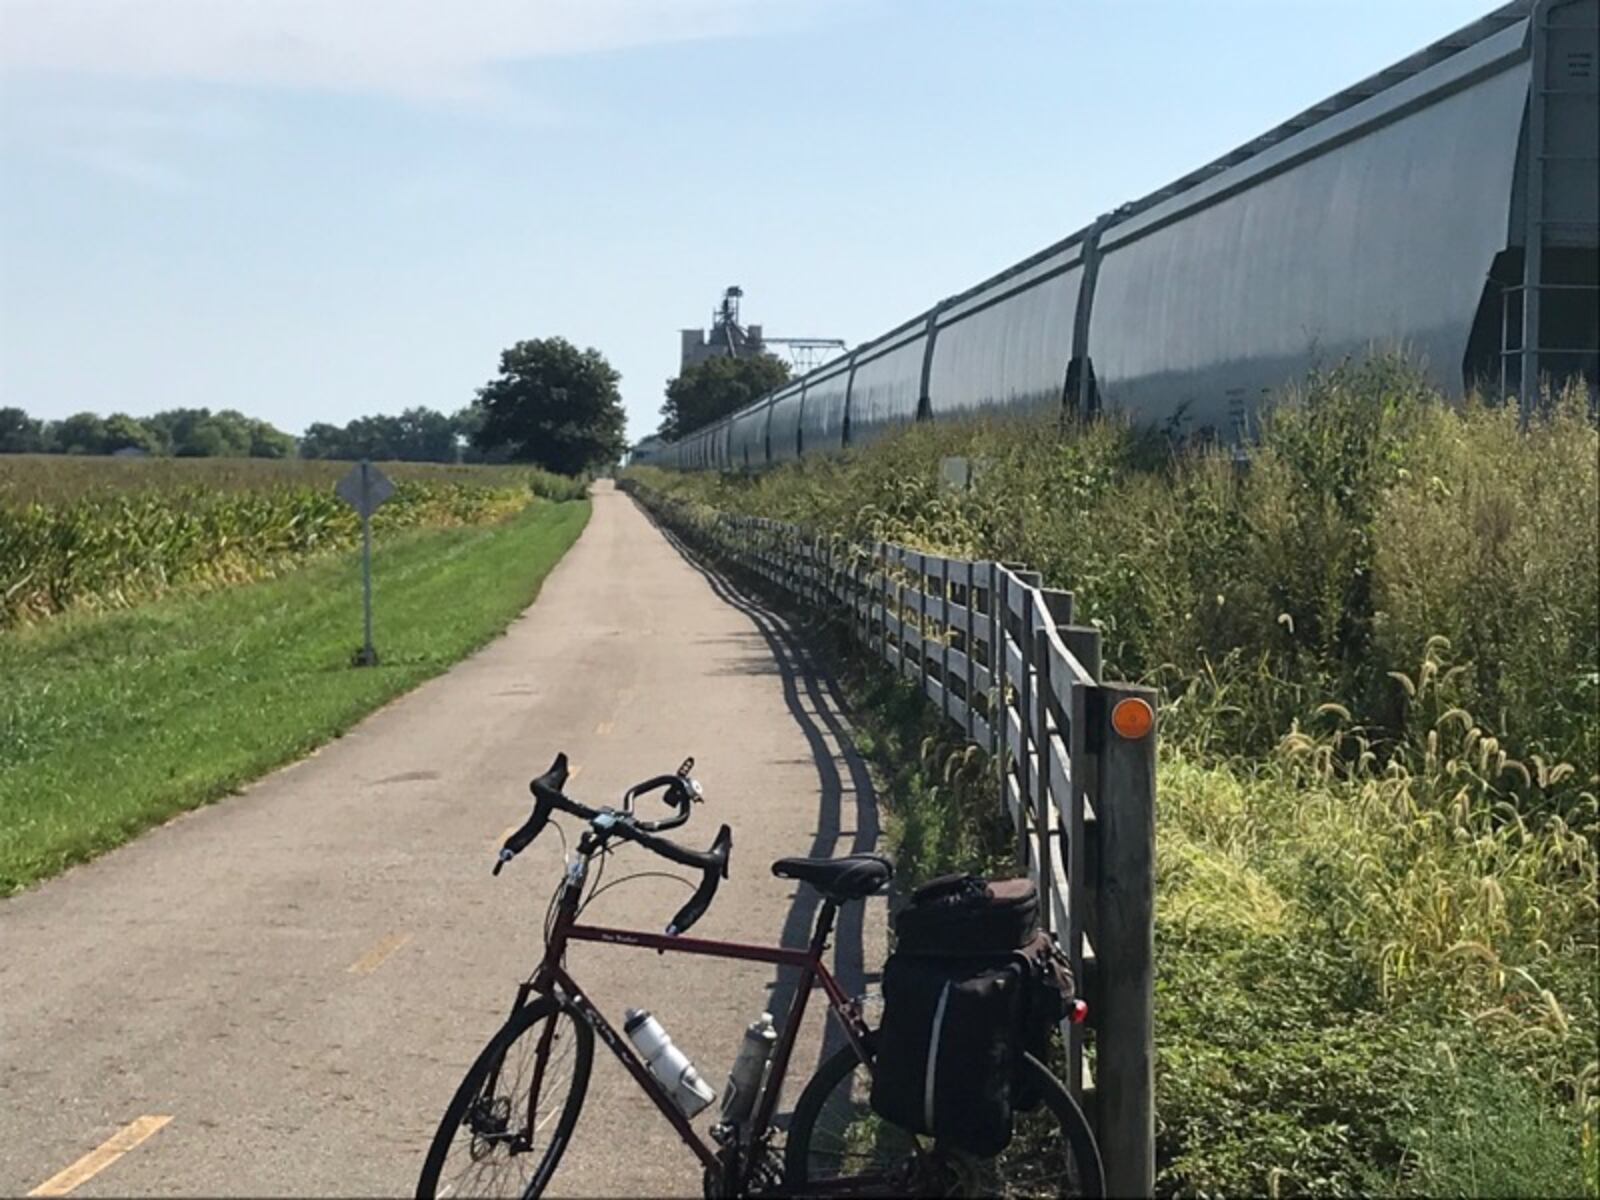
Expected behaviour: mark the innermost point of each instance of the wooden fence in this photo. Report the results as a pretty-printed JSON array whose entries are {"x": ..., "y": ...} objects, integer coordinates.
[{"x": 999, "y": 655}]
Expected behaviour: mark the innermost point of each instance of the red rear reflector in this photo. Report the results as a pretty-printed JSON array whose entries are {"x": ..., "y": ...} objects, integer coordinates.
[{"x": 1080, "y": 1010}]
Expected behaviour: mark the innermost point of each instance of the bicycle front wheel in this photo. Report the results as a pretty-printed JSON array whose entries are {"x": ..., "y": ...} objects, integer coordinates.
[
  {"x": 838, "y": 1146},
  {"x": 512, "y": 1117}
]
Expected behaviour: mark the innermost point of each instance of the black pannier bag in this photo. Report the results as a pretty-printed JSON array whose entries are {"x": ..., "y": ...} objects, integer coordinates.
[
  {"x": 946, "y": 1049},
  {"x": 973, "y": 982}
]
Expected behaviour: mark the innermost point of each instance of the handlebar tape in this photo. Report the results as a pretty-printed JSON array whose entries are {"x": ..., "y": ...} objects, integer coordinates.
[
  {"x": 546, "y": 789},
  {"x": 715, "y": 869}
]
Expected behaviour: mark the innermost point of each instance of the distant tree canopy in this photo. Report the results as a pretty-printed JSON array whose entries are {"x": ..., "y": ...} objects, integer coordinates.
[
  {"x": 714, "y": 388},
  {"x": 181, "y": 432},
  {"x": 122, "y": 432},
  {"x": 201, "y": 433},
  {"x": 416, "y": 435},
  {"x": 553, "y": 405},
  {"x": 20, "y": 433}
]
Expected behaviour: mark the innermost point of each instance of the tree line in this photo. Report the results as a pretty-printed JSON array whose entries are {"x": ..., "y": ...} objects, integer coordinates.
[
  {"x": 416, "y": 435},
  {"x": 551, "y": 404},
  {"x": 181, "y": 432}
]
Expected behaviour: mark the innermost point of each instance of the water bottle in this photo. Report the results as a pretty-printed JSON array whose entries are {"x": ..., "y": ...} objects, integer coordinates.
[
  {"x": 666, "y": 1062},
  {"x": 744, "y": 1081}
]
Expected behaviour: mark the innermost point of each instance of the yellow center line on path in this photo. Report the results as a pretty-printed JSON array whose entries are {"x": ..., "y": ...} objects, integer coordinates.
[
  {"x": 373, "y": 959},
  {"x": 101, "y": 1157}
]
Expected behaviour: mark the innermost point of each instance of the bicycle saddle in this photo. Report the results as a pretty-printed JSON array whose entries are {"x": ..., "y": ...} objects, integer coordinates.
[{"x": 840, "y": 879}]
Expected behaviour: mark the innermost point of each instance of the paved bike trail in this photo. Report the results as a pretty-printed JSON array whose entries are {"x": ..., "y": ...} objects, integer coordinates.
[{"x": 298, "y": 977}]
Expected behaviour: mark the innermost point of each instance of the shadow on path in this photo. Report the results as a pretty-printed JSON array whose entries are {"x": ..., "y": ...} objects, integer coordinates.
[{"x": 813, "y": 699}]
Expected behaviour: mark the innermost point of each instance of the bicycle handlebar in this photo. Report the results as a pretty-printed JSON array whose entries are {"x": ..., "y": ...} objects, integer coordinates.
[{"x": 712, "y": 863}]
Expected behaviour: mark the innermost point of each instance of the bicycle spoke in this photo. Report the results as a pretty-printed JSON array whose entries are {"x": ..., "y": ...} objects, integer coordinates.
[
  {"x": 840, "y": 1146},
  {"x": 850, "y": 1140},
  {"x": 500, "y": 1142}
]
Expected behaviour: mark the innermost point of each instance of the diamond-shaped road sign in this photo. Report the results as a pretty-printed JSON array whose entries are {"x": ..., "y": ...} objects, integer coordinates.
[{"x": 364, "y": 488}]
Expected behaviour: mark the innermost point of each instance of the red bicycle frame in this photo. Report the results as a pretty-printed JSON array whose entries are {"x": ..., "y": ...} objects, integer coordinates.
[{"x": 552, "y": 979}]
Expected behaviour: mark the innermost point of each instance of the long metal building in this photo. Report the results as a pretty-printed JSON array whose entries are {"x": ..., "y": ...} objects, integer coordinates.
[{"x": 1448, "y": 206}]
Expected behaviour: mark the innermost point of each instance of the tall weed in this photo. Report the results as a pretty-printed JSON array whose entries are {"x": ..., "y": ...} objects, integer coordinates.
[{"x": 1370, "y": 519}]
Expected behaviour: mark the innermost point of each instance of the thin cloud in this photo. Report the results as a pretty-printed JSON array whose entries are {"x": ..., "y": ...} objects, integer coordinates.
[
  {"x": 128, "y": 133},
  {"x": 129, "y": 166},
  {"x": 425, "y": 49}
]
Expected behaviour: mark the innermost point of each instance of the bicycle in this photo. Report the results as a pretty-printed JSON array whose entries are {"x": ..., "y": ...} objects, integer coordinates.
[{"x": 835, "y": 1144}]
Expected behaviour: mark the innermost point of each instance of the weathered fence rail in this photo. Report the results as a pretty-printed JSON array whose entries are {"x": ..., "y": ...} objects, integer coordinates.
[{"x": 999, "y": 655}]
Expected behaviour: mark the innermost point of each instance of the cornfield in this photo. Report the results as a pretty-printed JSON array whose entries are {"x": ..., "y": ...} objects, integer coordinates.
[{"x": 105, "y": 533}]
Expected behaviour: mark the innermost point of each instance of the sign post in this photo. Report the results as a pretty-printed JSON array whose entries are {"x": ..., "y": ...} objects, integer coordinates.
[{"x": 363, "y": 489}]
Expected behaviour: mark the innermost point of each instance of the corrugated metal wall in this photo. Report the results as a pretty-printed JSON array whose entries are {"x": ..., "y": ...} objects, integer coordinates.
[{"x": 1369, "y": 222}]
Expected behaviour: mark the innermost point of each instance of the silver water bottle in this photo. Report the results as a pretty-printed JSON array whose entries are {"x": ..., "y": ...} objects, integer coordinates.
[
  {"x": 666, "y": 1062},
  {"x": 744, "y": 1081}
]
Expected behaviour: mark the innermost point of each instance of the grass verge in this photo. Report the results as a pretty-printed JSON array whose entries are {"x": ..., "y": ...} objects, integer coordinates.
[{"x": 112, "y": 723}]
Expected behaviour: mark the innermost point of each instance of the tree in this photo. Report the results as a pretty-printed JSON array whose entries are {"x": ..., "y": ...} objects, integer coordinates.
[
  {"x": 716, "y": 387},
  {"x": 123, "y": 432},
  {"x": 173, "y": 427},
  {"x": 20, "y": 433},
  {"x": 467, "y": 422},
  {"x": 553, "y": 405},
  {"x": 322, "y": 440},
  {"x": 268, "y": 441},
  {"x": 426, "y": 436},
  {"x": 81, "y": 433},
  {"x": 196, "y": 433},
  {"x": 201, "y": 433},
  {"x": 374, "y": 437},
  {"x": 416, "y": 435}
]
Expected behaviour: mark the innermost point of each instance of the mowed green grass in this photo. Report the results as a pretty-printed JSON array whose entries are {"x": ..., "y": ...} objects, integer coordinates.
[{"x": 112, "y": 723}]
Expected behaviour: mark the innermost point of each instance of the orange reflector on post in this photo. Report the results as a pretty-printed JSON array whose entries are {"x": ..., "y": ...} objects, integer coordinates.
[{"x": 1133, "y": 718}]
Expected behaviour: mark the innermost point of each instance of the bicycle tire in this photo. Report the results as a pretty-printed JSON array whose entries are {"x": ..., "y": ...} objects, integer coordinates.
[
  {"x": 465, "y": 1105},
  {"x": 1087, "y": 1179}
]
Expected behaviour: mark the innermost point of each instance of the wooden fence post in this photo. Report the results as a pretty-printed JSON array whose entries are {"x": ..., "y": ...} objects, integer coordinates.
[
  {"x": 1084, "y": 642},
  {"x": 970, "y": 646},
  {"x": 997, "y": 675},
  {"x": 1044, "y": 801},
  {"x": 880, "y": 596},
  {"x": 1057, "y": 607},
  {"x": 943, "y": 626},
  {"x": 901, "y": 555},
  {"x": 1025, "y": 724},
  {"x": 1124, "y": 1018},
  {"x": 1060, "y": 605}
]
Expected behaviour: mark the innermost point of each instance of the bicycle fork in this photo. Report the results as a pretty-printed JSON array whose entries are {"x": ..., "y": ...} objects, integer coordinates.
[{"x": 522, "y": 1141}]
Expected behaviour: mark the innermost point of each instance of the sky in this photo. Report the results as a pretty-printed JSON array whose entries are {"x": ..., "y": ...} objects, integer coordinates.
[{"x": 313, "y": 210}]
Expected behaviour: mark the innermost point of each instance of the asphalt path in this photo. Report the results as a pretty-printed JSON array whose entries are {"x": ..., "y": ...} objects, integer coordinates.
[{"x": 277, "y": 995}]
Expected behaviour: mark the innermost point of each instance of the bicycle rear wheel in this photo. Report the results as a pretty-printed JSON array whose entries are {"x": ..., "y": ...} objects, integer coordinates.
[
  {"x": 837, "y": 1145},
  {"x": 512, "y": 1117}
]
